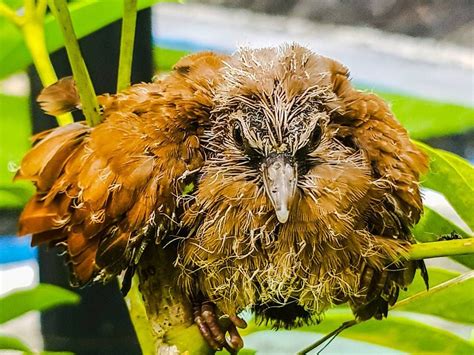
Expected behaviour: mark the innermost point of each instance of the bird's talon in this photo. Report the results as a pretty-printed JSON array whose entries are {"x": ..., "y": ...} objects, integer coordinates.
[{"x": 214, "y": 332}]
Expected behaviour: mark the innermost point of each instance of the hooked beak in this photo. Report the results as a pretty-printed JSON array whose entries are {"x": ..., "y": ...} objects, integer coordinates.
[{"x": 279, "y": 178}]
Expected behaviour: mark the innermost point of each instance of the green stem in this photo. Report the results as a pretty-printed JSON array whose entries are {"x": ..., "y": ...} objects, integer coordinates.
[
  {"x": 90, "y": 106},
  {"x": 139, "y": 318},
  {"x": 441, "y": 248},
  {"x": 126, "y": 44},
  {"x": 328, "y": 337}
]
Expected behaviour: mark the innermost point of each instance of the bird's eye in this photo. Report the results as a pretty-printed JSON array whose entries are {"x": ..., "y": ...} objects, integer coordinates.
[
  {"x": 315, "y": 138},
  {"x": 237, "y": 134},
  {"x": 313, "y": 141}
]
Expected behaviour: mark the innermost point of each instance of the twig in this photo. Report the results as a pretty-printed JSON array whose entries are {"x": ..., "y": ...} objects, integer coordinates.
[
  {"x": 90, "y": 106},
  {"x": 126, "y": 43},
  {"x": 441, "y": 248},
  {"x": 329, "y": 336}
]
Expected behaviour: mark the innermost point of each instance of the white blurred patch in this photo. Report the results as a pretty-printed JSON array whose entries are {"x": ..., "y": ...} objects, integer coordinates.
[
  {"x": 18, "y": 275},
  {"x": 437, "y": 202},
  {"x": 15, "y": 85},
  {"x": 27, "y": 328}
]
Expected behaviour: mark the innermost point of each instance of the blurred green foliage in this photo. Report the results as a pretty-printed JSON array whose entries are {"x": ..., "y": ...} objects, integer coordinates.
[
  {"x": 39, "y": 298},
  {"x": 15, "y": 130},
  {"x": 87, "y": 16}
]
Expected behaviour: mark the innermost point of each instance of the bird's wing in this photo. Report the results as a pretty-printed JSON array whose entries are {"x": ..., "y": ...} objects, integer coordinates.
[
  {"x": 368, "y": 120},
  {"x": 101, "y": 190},
  {"x": 398, "y": 164}
]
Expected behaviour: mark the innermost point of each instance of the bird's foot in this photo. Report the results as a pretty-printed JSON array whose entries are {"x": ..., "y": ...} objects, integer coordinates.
[{"x": 214, "y": 329}]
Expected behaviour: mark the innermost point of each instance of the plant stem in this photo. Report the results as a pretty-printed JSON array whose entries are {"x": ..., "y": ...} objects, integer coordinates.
[
  {"x": 139, "y": 318},
  {"x": 441, "y": 248},
  {"x": 126, "y": 44},
  {"x": 329, "y": 337},
  {"x": 90, "y": 106}
]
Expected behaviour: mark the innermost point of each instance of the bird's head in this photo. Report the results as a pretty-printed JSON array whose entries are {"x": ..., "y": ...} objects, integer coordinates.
[{"x": 271, "y": 123}]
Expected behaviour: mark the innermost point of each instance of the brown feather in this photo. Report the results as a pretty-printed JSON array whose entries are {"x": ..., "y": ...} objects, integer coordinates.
[{"x": 60, "y": 97}]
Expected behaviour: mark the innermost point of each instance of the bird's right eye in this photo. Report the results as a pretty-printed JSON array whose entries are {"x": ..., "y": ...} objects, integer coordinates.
[{"x": 238, "y": 134}]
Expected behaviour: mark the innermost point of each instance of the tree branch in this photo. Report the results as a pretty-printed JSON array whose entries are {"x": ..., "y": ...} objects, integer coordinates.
[
  {"x": 90, "y": 106},
  {"x": 160, "y": 311},
  {"x": 127, "y": 40}
]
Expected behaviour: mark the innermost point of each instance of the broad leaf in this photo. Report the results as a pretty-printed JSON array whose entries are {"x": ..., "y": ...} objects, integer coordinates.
[
  {"x": 432, "y": 225},
  {"x": 40, "y": 298},
  {"x": 427, "y": 119},
  {"x": 452, "y": 176},
  {"x": 453, "y": 303},
  {"x": 394, "y": 332},
  {"x": 87, "y": 16},
  {"x": 436, "y": 275},
  {"x": 12, "y": 343}
]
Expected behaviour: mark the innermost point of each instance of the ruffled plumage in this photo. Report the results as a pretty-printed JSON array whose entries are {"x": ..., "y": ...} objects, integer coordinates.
[{"x": 103, "y": 192}]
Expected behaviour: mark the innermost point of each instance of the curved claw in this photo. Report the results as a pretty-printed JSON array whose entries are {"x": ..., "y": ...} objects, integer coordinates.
[{"x": 214, "y": 330}]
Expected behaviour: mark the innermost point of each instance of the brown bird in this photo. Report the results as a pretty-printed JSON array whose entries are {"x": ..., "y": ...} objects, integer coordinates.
[{"x": 305, "y": 189}]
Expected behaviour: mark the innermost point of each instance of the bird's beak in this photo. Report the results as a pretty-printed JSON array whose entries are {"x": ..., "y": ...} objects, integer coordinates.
[{"x": 280, "y": 178}]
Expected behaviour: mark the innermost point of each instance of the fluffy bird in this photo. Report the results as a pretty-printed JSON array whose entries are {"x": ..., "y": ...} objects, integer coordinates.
[{"x": 304, "y": 188}]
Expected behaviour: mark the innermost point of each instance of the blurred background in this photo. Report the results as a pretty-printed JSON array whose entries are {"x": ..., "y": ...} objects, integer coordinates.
[{"x": 418, "y": 55}]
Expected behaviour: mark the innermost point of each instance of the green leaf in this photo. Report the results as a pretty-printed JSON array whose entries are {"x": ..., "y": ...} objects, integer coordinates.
[
  {"x": 427, "y": 118},
  {"x": 15, "y": 129},
  {"x": 436, "y": 275},
  {"x": 399, "y": 333},
  {"x": 87, "y": 16},
  {"x": 40, "y": 298},
  {"x": 188, "y": 189},
  {"x": 394, "y": 332},
  {"x": 452, "y": 176},
  {"x": 452, "y": 303},
  {"x": 432, "y": 225},
  {"x": 12, "y": 343}
]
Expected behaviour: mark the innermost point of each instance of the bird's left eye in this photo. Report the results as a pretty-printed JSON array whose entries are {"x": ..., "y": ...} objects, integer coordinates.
[
  {"x": 313, "y": 141},
  {"x": 237, "y": 134}
]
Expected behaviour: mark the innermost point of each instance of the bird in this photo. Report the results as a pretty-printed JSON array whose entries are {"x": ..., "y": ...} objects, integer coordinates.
[{"x": 282, "y": 188}]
